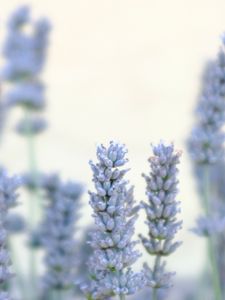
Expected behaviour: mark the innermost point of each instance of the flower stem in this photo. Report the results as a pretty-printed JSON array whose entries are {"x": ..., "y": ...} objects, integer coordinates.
[
  {"x": 17, "y": 267},
  {"x": 154, "y": 294},
  {"x": 156, "y": 263},
  {"x": 32, "y": 167},
  {"x": 57, "y": 295},
  {"x": 211, "y": 251},
  {"x": 122, "y": 297}
]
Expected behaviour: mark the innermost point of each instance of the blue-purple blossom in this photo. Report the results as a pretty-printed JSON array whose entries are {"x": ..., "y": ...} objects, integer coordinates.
[
  {"x": 19, "y": 17},
  {"x": 24, "y": 53},
  {"x": 207, "y": 138},
  {"x": 8, "y": 190},
  {"x": 32, "y": 182},
  {"x": 209, "y": 225},
  {"x": 161, "y": 210},
  {"x": 8, "y": 199},
  {"x": 15, "y": 223},
  {"x": 58, "y": 230},
  {"x": 31, "y": 125},
  {"x": 206, "y": 146},
  {"x": 5, "y": 296},
  {"x": 113, "y": 249},
  {"x": 26, "y": 94}
]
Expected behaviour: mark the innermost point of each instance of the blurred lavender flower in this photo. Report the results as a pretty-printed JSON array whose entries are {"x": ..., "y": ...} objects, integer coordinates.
[
  {"x": 19, "y": 17},
  {"x": 161, "y": 211},
  {"x": 206, "y": 146},
  {"x": 8, "y": 190},
  {"x": 8, "y": 198},
  {"x": 31, "y": 182},
  {"x": 15, "y": 223},
  {"x": 32, "y": 125},
  {"x": 113, "y": 248},
  {"x": 25, "y": 53},
  {"x": 207, "y": 138},
  {"x": 58, "y": 230},
  {"x": 4, "y": 296},
  {"x": 27, "y": 94},
  {"x": 209, "y": 226}
]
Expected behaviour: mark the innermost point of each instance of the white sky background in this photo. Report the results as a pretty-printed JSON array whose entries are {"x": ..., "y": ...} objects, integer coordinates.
[{"x": 125, "y": 70}]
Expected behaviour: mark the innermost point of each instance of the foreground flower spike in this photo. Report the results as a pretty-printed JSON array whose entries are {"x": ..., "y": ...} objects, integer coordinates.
[
  {"x": 8, "y": 199},
  {"x": 57, "y": 233},
  {"x": 113, "y": 249},
  {"x": 161, "y": 210}
]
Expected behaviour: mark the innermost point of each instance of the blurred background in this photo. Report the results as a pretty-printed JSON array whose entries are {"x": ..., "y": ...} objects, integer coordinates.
[{"x": 124, "y": 70}]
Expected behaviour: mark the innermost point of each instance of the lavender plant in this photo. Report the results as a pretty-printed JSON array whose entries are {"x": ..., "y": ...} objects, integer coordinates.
[
  {"x": 206, "y": 146},
  {"x": 58, "y": 235},
  {"x": 113, "y": 249},
  {"x": 8, "y": 199},
  {"x": 24, "y": 60},
  {"x": 161, "y": 211},
  {"x": 25, "y": 56}
]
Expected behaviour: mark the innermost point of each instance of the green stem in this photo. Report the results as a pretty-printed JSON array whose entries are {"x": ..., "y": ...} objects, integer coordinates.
[
  {"x": 122, "y": 297},
  {"x": 33, "y": 212},
  {"x": 57, "y": 295},
  {"x": 17, "y": 267},
  {"x": 156, "y": 263},
  {"x": 154, "y": 294},
  {"x": 211, "y": 252}
]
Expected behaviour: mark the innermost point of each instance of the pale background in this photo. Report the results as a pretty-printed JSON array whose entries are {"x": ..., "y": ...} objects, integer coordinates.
[{"x": 125, "y": 70}]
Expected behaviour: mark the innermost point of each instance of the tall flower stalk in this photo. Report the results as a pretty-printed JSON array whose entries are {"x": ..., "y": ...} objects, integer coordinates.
[
  {"x": 206, "y": 146},
  {"x": 111, "y": 240},
  {"x": 161, "y": 211},
  {"x": 58, "y": 235},
  {"x": 25, "y": 56}
]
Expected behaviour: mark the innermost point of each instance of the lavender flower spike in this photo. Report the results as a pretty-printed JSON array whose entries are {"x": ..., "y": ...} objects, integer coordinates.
[
  {"x": 113, "y": 249},
  {"x": 206, "y": 146},
  {"x": 161, "y": 210},
  {"x": 8, "y": 197},
  {"x": 207, "y": 138},
  {"x": 58, "y": 230}
]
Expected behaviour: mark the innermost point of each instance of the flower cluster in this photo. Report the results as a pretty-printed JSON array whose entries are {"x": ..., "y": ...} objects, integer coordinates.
[
  {"x": 8, "y": 199},
  {"x": 27, "y": 94},
  {"x": 58, "y": 230},
  {"x": 113, "y": 249},
  {"x": 161, "y": 210},
  {"x": 31, "y": 125},
  {"x": 25, "y": 54},
  {"x": 207, "y": 138}
]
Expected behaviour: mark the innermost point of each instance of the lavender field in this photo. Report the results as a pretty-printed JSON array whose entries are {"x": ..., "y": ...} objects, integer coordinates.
[{"x": 112, "y": 155}]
